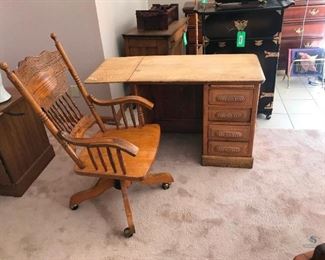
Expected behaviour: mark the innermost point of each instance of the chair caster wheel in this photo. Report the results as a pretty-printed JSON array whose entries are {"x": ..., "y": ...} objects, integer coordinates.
[
  {"x": 268, "y": 117},
  {"x": 74, "y": 207},
  {"x": 128, "y": 232},
  {"x": 165, "y": 186}
]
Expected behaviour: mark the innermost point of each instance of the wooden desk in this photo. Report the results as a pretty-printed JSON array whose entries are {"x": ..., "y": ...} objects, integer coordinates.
[{"x": 231, "y": 88}]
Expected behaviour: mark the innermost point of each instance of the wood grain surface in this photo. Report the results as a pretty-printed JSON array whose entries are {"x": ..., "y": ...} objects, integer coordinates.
[{"x": 179, "y": 69}]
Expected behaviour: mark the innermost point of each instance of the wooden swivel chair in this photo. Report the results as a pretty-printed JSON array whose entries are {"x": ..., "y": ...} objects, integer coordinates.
[{"x": 123, "y": 149}]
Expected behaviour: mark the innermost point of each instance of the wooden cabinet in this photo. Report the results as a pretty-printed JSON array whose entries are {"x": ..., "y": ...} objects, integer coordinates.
[
  {"x": 165, "y": 42},
  {"x": 24, "y": 147},
  {"x": 178, "y": 108},
  {"x": 303, "y": 27},
  {"x": 229, "y": 124},
  {"x": 216, "y": 29}
]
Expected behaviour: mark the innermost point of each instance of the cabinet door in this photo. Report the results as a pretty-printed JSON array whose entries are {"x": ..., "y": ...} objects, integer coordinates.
[{"x": 22, "y": 141}]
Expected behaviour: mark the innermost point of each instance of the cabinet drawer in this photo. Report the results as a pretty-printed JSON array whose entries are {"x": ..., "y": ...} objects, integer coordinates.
[
  {"x": 315, "y": 29},
  {"x": 229, "y": 133},
  {"x": 292, "y": 30},
  {"x": 229, "y": 115},
  {"x": 228, "y": 148},
  {"x": 298, "y": 12},
  {"x": 230, "y": 97}
]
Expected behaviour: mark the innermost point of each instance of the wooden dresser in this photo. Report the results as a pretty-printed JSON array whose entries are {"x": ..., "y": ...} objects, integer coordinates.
[
  {"x": 178, "y": 108},
  {"x": 24, "y": 147},
  {"x": 303, "y": 27}
]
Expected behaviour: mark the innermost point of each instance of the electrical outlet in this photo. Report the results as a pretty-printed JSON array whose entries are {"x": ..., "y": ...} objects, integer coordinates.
[{"x": 74, "y": 91}]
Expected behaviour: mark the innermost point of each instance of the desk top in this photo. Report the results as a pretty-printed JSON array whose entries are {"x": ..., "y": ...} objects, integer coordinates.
[{"x": 179, "y": 69}]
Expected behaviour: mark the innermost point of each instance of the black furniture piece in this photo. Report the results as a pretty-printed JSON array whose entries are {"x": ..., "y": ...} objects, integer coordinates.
[{"x": 246, "y": 27}]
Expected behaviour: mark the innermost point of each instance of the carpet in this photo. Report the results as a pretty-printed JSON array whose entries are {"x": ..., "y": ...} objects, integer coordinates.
[{"x": 271, "y": 212}]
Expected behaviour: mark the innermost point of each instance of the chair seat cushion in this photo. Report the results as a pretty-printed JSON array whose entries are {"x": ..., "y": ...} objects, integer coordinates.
[{"x": 146, "y": 139}]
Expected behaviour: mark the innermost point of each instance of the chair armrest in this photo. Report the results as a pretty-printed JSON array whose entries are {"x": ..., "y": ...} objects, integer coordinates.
[
  {"x": 117, "y": 143},
  {"x": 122, "y": 100}
]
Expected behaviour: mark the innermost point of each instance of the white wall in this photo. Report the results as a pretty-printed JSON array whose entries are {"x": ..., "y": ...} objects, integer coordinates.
[
  {"x": 90, "y": 31},
  {"x": 116, "y": 17},
  {"x": 25, "y": 27}
]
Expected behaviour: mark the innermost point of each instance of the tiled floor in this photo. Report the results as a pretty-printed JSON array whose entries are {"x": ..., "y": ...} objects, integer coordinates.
[{"x": 302, "y": 106}]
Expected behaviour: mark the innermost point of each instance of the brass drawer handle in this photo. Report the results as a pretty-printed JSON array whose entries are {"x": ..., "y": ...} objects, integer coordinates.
[
  {"x": 228, "y": 134},
  {"x": 241, "y": 24},
  {"x": 230, "y": 98},
  {"x": 314, "y": 11},
  {"x": 299, "y": 30},
  {"x": 228, "y": 149}
]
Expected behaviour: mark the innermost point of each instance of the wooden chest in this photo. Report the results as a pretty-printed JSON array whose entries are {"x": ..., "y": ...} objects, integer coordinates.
[{"x": 303, "y": 27}]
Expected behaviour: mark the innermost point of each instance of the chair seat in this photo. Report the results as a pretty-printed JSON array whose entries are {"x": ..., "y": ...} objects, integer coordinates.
[{"x": 145, "y": 138}]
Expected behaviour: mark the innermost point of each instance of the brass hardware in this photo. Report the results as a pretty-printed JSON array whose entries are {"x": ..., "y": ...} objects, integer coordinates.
[
  {"x": 308, "y": 44},
  {"x": 269, "y": 106},
  {"x": 277, "y": 38},
  {"x": 314, "y": 11},
  {"x": 265, "y": 94},
  {"x": 269, "y": 54},
  {"x": 241, "y": 24},
  {"x": 221, "y": 44},
  {"x": 299, "y": 30},
  {"x": 258, "y": 43},
  {"x": 206, "y": 39},
  {"x": 230, "y": 98}
]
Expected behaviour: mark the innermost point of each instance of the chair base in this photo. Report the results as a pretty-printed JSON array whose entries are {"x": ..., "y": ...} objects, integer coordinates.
[{"x": 104, "y": 184}]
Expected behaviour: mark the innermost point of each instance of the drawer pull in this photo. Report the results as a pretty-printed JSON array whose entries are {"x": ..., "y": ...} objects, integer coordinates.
[
  {"x": 229, "y": 149},
  {"x": 230, "y": 98},
  {"x": 228, "y": 134},
  {"x": 229, "y": 115},
  {"x": 258, "y": 43},
  {"x": 241, "y": 24},
  {"x": 314, "y": 11},
  {"x": 270, "y": 54},
  {"x": 299, "y": 30},
  {"x": 308, "y": 44},
  {"x": 221, "y": 44}
]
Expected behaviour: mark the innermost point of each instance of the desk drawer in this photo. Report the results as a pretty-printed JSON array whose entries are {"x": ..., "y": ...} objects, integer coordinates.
[
  {"x": 228, "y": 133},
  {"x": 228, "y": 148},
  {"x": 229, "y": 115},
  {"x": 230, "y": 97}
]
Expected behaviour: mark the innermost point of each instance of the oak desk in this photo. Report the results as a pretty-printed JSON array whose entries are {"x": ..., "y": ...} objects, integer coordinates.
[{"x": 231, "y": 88}]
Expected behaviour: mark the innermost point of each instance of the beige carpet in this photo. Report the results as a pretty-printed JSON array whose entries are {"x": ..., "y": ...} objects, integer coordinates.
[{"x": 273, "y": 211}]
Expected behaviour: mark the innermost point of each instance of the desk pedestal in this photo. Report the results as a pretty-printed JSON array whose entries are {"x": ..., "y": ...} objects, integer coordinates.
[{"x": 229, "y": 124}]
